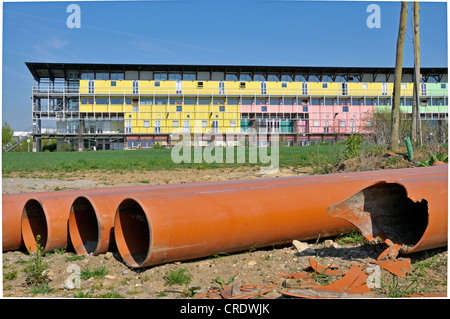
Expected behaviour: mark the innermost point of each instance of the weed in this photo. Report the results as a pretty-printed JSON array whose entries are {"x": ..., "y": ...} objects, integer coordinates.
[
  {"x": 43, "y": 288},
  {"x": 10, "y": 276},
  {"x": 434, "y": 157},
  {"x": 96, "y": 273},
  {"x": 353, "y": 145},
  {"x": 81, "y": 294},
  {"x": 112, "y": 294},
  {"x": 222, "y": 282},
  {"x": 161, "y": 294},
  {"x": 180, "y": 277},
  {"x": 36, "y": 270},
  {"x": 351, "y": 238},
  {"x": 394, "y": 289},
  {"x": 73, "y": 257}
]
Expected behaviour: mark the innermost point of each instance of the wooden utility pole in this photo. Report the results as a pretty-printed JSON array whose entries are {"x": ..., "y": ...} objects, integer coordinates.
[
  {"x": 416, "y": 129},
  {"x": 395, "y": 115}
]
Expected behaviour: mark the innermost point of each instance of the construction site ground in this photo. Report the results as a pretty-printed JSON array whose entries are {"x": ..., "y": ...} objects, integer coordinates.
[{"x": 269, "y": 267}]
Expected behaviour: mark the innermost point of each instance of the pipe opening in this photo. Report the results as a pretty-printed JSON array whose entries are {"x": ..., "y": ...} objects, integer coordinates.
[
  {"x": 83, "y": 226},
  {"x": 132, "y": 232},
  {"x": 384, "y": 210},
  {"x": 34, "y": 223}
]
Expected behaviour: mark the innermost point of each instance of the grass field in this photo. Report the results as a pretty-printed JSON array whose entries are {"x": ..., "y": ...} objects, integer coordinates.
[{"x": 156, "y": 159}]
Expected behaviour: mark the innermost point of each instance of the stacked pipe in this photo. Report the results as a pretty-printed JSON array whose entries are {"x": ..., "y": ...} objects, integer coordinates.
[{"x": 150, "y": 225}]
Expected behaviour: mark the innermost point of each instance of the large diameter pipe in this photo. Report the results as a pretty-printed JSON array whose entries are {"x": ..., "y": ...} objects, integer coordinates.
[
  {"x": 91, "y": 218},
  {"x": 412, "y": 212},
  {"x": 151, "y": 230},
  {"x": 40, "y": 213},
  {"x": 47, "y": 213}
]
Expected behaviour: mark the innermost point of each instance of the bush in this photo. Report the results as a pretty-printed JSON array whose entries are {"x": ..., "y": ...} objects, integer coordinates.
[{"x": 353, "y": 145}]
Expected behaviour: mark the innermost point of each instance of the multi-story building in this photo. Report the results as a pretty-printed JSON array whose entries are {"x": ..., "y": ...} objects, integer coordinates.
[{"x": 120, "y": 106}]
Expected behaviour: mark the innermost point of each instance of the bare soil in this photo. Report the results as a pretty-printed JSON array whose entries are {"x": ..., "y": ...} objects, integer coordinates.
[{"x": 258, "y": 268}]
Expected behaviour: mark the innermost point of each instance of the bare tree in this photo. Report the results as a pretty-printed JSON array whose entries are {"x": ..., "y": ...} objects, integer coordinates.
[{"x": 395, "y": 115}]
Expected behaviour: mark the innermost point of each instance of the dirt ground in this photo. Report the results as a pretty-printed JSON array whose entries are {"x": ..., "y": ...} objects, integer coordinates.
[{"x": 265, "y": 272}]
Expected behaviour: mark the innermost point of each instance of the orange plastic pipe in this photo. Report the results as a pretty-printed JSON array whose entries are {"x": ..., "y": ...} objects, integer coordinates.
[
  {"x": 411, "y": 213},
  {"x": 47, "y": 214},
  {"x": 41, "y": 211},
  {"x": 91, "y": 218},
  {"x": 156, "y": 229}
]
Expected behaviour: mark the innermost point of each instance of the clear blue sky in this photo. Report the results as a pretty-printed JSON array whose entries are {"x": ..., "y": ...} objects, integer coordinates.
[{"x": 244, "y": 32}]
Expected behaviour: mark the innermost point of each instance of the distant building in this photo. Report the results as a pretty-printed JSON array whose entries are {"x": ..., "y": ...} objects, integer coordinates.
[{"x": 120, "y": 106}]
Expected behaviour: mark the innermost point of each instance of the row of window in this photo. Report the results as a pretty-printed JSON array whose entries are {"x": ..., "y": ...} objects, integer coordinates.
[
  {"x": 218, "y": 76},
  {"x": 251, "y": 101}
]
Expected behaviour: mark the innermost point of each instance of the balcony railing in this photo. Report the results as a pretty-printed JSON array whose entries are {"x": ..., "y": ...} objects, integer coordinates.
[{"x": 241, "y": 92}]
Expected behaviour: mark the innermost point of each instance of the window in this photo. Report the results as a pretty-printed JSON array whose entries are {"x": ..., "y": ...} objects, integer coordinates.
[
  {"x": 204, "y": 101},
  {"x": 128, "y": 127},
  {"x": 175, "y": 123},
  {"x": 221, "y": 87},
  {"x": 102, "y": 75},
  {"x": 160, "y": 100},
  {"x": 188, "y": 76},
  {"x": 284, "y": 85},
  {"x": 221, "y": 108},
  {"x": 157, "y": 83},
  {"x": 324, "y": 85},
  {"x": 275, "y": 101},
  {"x": 264, "y": 108},
  {"x": 157, "y": 126},
  {"x": 342, "y": 123},
  {"x": 345, "y": 108},
  {"x": 289, "y": 101},
  {"x": 356, "y": 101},
  {"x": 113, "y": 83},
  {"x": 305, "y": 108},
  {"x": 146, "y": 123},
  {"x": 233, "y": 101},
  {"x": 135, "y": 87},
  {"x": 242, "y": 85},
  {"x": 364, "y": 85},
  {"x": 160, "y": 76},
  {"x": 101, "y": 100},
  {"x": 190, "y": 101},
  {"x": 179, "y": 108},
  {"x": 116, "y": 100},
  {"x": 204, "y": 123},
  {"x": 232, "y": 123},
  {"x": 424, "y": 102},
  {"x": 315, "y": 101},
  {"x": 231, "y": 77},
  {"x": 91, "y": 86},
  {"x": 117, "y": 76},
  {"x": 174, "y": 76},
  {"x": 246, "y": 77},
  {"x": 247, "y": 101},
  {"x": 146, "y": 101},
  {"x": 259, "y": 77},
  {"x": 315, "y": 123},
  {"x": 443, "y": 86},
  {"x": 200, "y": 84},
  {"x": 87, "y": 75}
]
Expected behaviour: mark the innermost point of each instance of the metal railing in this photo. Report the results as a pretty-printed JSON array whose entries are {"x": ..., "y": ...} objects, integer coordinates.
[{"x": 241, "y": 92}]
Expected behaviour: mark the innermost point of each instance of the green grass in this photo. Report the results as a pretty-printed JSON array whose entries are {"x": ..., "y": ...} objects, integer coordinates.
[{"x": 156, "y": 159}]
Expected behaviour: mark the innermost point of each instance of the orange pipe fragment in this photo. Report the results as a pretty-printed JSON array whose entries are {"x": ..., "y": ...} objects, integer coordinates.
[
  {"x": 155, "y": 229},
  {"x": 410, "y": 215},
  {"x": 91, "y": 219}
]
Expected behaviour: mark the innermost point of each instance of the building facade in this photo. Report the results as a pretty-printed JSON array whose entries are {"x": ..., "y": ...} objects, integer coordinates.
[{"x": 116, "y": 106}]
